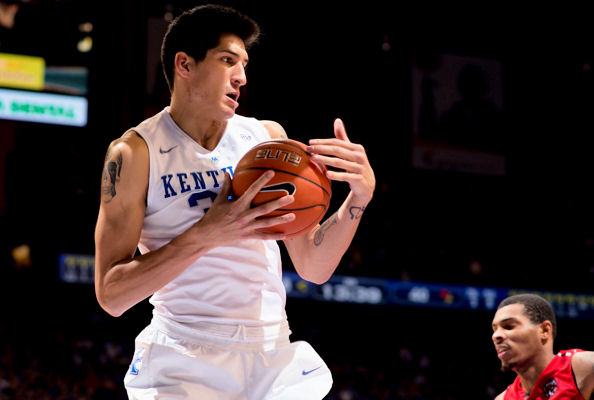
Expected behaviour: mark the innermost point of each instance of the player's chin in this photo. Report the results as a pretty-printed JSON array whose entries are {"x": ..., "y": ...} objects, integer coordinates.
[
  {"x": 229, "y": 108},
  {"x": 228, "y": 113},
  {"x": 507, "y": 366}
]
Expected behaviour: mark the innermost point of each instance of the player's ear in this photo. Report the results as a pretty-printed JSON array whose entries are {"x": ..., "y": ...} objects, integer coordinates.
[
  {"x": 182, "y": 63},
  {"x": 546, "y": 331}
]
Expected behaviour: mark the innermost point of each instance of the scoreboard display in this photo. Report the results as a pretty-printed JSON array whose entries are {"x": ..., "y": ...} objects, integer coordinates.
[{"x": 79, "y": 269}]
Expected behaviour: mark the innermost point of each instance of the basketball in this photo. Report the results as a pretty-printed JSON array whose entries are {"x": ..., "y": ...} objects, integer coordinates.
[{"x": 294, "y": 173}]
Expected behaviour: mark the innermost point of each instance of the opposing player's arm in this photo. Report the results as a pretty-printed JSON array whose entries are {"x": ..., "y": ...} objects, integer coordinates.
[
  {"x": 501, "y": 396},
  {"x": 582, "y": 364},
  {"x": 316, "y": 254}
]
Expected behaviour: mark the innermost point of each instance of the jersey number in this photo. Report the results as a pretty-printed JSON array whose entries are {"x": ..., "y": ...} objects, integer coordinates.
[{"x": 195, "y": 198}]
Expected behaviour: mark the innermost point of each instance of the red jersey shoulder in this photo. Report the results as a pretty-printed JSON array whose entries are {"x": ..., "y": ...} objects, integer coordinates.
[{"x": 556, "y": 382}]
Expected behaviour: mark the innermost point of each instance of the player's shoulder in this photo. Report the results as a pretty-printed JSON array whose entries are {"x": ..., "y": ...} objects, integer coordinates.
[
  {"x": 582, "y": 366},
  {"x": 129, "y": 143},
  {"x": 275, "y": 129},
  {"x": 583, "y": 362}
]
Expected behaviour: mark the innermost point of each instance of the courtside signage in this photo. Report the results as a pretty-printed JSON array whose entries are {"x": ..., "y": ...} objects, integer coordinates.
[
  {"x": 22, "y": 72},
  {"x": 45, "y": 108}
]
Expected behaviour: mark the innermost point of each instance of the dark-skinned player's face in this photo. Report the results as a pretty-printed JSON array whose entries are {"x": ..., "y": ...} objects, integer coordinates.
[{"x": 515, "y": 337}]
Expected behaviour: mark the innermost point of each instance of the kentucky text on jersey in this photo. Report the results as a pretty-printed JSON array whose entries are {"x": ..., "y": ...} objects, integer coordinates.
[{"x": 183, "y": 182}]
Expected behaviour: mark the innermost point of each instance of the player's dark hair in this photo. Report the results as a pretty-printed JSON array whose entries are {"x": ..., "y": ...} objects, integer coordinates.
[
  {"x": 199, "y": 29},
  {"x": 536, "y": 308}
]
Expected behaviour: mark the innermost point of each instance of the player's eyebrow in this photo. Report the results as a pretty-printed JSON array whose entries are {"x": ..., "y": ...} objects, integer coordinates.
[
  {"x": 235, "y": 54},
  {"x": 503, "y": 321}
]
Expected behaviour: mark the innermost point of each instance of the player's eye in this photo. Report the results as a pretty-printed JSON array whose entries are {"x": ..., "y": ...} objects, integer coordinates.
[{"x": 508, "y": 326}]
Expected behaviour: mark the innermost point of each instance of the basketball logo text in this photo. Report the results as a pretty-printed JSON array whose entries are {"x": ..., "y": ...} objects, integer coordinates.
[{"x": 286, "y": 156}]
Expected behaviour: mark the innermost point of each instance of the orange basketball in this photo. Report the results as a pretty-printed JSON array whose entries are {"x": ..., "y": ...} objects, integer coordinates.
[{"x": 294, "y": 173}]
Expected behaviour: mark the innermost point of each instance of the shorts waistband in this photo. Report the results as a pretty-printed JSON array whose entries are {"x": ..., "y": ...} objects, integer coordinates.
[{"x": 226, "y": 332}]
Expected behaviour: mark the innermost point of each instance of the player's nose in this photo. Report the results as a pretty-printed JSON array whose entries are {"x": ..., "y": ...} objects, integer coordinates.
[
  {"x": 497, "y": 336},
  {"x": 239, "y": 77}
]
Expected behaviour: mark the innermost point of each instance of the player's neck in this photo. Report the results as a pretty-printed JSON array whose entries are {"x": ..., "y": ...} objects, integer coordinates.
[
  {"x": 205, "y": 131},
  {"x": 531, "y": 372}
]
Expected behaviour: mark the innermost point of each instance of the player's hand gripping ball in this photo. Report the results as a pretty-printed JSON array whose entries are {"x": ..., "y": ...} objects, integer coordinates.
[{"x": 294, "y": 174}]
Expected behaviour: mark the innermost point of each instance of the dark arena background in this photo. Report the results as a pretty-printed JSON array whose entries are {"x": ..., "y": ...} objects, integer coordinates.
[{"x": 478, "y": 124}]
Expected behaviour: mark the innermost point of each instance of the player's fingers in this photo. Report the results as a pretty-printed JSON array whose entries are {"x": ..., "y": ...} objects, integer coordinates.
[
  {"x": 270, "y": 206},
  {"x": 266, "y": 222},
  {"x": 262, "y": 227},
  {"x": 256, "y": 186},
  {"x": 344, "y": 176},
  {"x": 352, "y": 152},
  {"x": 226, "y": 191},
  {"x": 341, "y": 163},
  {"x": 340, "y": 130},
  {"x": 334, "y": 142}
]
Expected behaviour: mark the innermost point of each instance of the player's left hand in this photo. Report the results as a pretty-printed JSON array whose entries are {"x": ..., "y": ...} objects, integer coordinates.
[{"x": 349, "y": 160}]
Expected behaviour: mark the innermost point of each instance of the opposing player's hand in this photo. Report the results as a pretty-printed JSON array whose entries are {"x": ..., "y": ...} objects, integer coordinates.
[
  {"x": 349, "y": 160},
  {"x": 231, "y": 219}
]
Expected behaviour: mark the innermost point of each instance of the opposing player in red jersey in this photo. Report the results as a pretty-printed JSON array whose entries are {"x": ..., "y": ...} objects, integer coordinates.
[{"x": 524, "y": 328}]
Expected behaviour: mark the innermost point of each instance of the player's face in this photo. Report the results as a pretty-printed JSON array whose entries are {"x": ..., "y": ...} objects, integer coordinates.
[
  {"x": 216, "y": 80},
  {"x": 515, "y": 337}
]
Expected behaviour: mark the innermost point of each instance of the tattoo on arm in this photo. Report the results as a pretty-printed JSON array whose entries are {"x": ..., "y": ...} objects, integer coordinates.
[
  {"x": 319, "y": 236},
  {"x": 356, "y": 212},
  {"x": 111, "y": 174}
]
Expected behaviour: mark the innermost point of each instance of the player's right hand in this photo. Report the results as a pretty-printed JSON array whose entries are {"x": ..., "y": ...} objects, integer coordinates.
[{"x": 231, "y": 219}]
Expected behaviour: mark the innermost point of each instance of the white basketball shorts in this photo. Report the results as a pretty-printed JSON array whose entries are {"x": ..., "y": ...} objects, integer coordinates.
[{"x": 224, "y": 363}]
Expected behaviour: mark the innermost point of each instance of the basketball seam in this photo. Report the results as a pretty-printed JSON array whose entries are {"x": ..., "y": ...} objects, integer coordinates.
[
  {"x": 302, "y": 208},
  {"x": 285, "y": 172}
]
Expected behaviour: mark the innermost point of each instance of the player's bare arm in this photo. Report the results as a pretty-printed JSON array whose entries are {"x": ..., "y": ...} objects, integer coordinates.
[
  {"x": 316, "y": 254},
  {"x": 582, "y": 364},
  {"x": 122, "y": 280},
  {"x": 123, "y": 193}
]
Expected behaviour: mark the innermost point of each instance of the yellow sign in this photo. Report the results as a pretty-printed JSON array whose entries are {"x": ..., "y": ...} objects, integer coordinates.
[{"x": 21, "y": 72}]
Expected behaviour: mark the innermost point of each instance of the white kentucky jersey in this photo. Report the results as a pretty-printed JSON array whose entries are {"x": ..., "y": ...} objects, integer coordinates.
[{"x": 241, "y": 283}]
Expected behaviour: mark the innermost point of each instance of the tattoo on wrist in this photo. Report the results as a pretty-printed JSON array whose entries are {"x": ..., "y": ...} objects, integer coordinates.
[
  {"x": 319, "y": 236},
  {"x": 356, "y": 212},
  {"x": 111, "y": 174}
]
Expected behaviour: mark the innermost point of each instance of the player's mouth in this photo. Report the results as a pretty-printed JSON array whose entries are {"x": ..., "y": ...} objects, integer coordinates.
[
  {"x": 503, "y": 351},
  {"x": 233, "y": 96}
]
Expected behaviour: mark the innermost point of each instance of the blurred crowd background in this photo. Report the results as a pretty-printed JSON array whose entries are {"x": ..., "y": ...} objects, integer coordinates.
[{"x": 477, "y": 122}]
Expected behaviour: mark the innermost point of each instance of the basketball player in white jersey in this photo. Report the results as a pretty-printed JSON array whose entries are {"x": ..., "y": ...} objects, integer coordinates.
[{"x": 219, "y": 328}]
